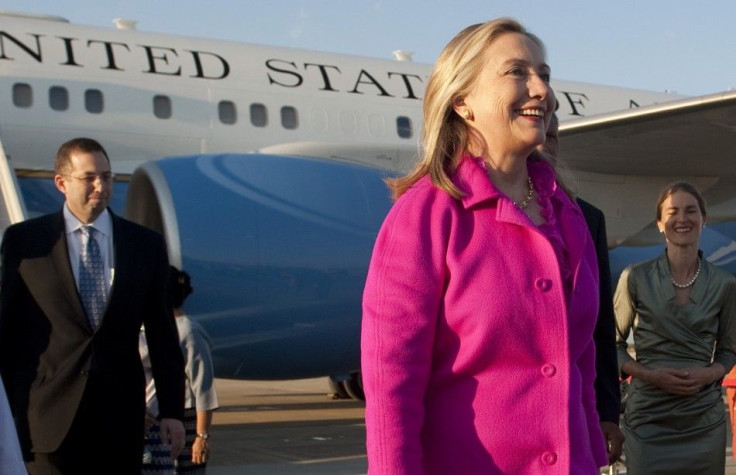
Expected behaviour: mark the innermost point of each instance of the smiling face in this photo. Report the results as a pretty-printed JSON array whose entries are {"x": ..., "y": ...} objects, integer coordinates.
[
  {"x": 511, "y": 101},
  {"x": 87, "y": 184},
  {"x": 681, "y": 219}
]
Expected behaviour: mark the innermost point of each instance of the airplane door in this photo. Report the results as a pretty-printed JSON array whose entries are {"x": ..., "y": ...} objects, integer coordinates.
[{"x": 12, "y": 208}]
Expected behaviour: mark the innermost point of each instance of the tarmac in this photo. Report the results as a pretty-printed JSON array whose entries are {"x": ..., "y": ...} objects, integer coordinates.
[
  {"x": 294, "y": 427},
  {"x": 286, "y": 427}
]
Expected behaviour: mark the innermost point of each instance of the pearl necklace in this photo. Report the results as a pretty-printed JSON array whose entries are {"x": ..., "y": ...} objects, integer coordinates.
[
  {"x": 691, "y": 281},
  {"x": 528, "y": 198}
]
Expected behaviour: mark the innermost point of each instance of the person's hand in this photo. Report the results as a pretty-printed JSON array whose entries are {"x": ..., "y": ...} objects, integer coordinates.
[
  {"x": 200, "y": 451},
  {"x": 149, "y": 421},
  {"x": 172, "y": 432},
  {"x": 614, "y": 440},
  {"x": 675, "y": 381},
  {"x": 703, "y": 376}
]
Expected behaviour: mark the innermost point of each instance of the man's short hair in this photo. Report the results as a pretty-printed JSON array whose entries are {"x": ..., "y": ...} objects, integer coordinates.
[{"x": 80, "y": 144}]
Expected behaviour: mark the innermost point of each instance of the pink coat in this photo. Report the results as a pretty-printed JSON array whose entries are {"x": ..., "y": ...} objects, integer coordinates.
[{"x": 473, "y": 362}]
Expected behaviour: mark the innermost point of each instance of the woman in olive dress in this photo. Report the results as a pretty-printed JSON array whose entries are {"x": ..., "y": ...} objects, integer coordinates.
[{"x": 682, "y": 311}]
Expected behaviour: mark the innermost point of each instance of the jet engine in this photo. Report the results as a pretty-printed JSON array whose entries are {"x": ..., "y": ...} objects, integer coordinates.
[{"x": 278, "y": 249}]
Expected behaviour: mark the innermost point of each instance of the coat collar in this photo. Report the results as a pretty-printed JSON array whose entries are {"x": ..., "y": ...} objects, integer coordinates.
[{"x": 471, "y": 177}]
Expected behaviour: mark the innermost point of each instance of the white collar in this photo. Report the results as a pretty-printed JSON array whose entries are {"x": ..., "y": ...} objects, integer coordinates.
[{"x": 103, "y": 223}]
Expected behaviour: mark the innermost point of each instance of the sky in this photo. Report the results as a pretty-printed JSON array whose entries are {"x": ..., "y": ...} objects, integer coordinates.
[{"x": 687, "y": 47}]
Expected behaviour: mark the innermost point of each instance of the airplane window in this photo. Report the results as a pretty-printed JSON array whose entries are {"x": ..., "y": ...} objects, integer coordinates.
[
  {"x": 348, "y": 122},
  {"x": 162, "y": 107},
  {"x": 289, "y": 118},
  {"x": 319, "y": 120},
  {"x": 58, "y": 98},
  {"x": 227, "y": 112},
  {"x": 93, "y": 101},
  {"x": 22, "y": 95},
  {"x": 376, "y": 125},
  {"x": 258, "y": 115},
  {"x": 403, "y": 127}
]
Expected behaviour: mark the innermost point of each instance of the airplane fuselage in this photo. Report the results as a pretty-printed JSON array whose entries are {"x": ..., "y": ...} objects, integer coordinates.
[
  {"x": 278, "y": 245},
  {"x": 149, "y": 95}
]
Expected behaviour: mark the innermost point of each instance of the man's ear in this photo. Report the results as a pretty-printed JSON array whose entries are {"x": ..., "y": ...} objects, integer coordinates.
[{"x": 60, "y": 183}]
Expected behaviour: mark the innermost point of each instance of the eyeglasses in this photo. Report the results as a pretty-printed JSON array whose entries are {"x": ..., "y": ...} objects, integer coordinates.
[{"x": 91, "y": 178}]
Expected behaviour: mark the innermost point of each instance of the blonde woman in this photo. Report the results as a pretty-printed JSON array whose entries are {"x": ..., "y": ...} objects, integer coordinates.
[{"x": 481, "y": 296}]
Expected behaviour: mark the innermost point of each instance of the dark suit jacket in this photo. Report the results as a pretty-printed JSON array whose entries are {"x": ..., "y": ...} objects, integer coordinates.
[
  {"x": 48, "y": 352},
  {"x": 608, "y": 395}
]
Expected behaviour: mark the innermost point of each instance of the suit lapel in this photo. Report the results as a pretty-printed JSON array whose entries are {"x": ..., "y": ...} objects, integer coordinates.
[
  {"x": 60, "y": 260},
  {"x": 122, "y": 260}
]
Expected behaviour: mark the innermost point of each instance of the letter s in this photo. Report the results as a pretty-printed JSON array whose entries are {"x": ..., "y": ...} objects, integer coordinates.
[{"x": 297, "y": 78}]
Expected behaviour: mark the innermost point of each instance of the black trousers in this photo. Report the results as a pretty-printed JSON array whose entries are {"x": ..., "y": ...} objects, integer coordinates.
[{"x": 100, "y": 440}]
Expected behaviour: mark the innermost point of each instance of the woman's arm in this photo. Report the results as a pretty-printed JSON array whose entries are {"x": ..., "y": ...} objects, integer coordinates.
[
  {"x": 400, "y": 310},
  {"x": 200, "y": 447},
  {"x": 200, "y": 375},
  {"x": 725, "y": 353},
  {"x": 624, "y": 308},
  {"x": 681, "y": 382}
]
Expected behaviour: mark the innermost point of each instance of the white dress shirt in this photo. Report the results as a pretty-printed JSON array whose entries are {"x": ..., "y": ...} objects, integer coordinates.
[{"x": 103, "y": 226}]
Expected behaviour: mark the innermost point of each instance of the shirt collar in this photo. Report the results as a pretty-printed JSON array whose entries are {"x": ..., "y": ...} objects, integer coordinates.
[{"x": 102, "y": 224}]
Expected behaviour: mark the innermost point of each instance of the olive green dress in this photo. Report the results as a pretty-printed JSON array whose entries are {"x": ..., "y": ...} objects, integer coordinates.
[{"x": 668, "y": 434}]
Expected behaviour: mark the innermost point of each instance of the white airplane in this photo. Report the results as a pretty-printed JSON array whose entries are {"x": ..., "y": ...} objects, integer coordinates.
[{"x": 146, "y": 96}]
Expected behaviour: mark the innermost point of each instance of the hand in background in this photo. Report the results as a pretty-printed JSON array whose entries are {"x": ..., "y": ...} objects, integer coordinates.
[
  {"x": 172, "y": 432},
  {"x": 614, "y": 440}
]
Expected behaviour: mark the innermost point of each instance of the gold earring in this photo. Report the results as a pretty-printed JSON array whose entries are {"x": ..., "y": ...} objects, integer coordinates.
[{"x": 466, "y": 114}]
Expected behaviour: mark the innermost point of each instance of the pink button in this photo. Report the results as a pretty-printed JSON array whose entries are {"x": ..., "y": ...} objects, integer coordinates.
[
  {"x": 543, "y": 285},
  {"x": 549, "y": 458},
  {"x": 549, "y": 370}
]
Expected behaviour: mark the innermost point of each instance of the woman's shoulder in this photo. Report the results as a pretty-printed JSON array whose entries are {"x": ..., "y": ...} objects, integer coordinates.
[
  {"x": 423, "y": 195},
  {"x": 720, "y": 275},
  {"x": 423, "y": 189},
  {"x": 642, "y": 269},
  {"x": 184, "y": 326}
]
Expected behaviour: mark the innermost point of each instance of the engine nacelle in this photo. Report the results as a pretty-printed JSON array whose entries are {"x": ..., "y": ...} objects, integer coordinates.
[{"x": 278, "y": 249}]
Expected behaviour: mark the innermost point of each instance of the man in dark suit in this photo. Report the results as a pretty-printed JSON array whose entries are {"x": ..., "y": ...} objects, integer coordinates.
[
  {"x": 72, "y": 303},
  {"x": 607, "y": 392}
]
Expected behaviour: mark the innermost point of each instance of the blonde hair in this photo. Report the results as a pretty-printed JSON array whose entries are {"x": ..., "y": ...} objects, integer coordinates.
[{"x": 445, "y": 136}]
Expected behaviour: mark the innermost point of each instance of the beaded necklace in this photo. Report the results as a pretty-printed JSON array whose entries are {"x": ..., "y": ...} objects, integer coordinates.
[
  {"x": 691, "y": 281},
  {"x": 528, "y": 198}
]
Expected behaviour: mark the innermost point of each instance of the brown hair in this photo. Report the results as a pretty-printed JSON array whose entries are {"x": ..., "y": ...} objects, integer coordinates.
[
  {"x": 673, "y": 188},
  {"x": 80, "y": 144}
]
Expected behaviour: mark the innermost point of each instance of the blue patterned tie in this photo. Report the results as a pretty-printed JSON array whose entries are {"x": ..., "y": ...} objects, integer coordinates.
[{"x": 92, "y": 278}]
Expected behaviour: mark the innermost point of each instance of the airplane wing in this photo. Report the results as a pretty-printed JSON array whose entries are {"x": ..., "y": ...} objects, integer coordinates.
[{"x": 620, "y": 161}]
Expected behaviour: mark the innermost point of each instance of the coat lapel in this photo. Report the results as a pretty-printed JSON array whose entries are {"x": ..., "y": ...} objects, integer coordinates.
[
  {"x": 123, "y": 257},
  {"x": 57, "y": 262}
]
